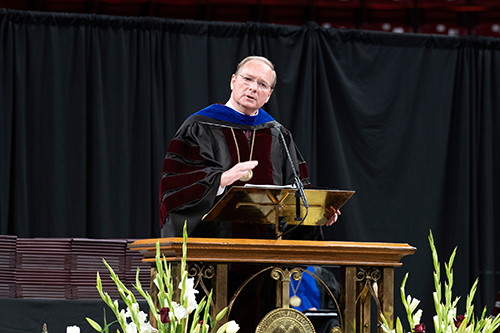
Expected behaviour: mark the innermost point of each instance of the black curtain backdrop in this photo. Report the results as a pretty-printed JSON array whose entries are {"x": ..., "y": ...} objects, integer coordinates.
[{"x": 89, "y": 104}]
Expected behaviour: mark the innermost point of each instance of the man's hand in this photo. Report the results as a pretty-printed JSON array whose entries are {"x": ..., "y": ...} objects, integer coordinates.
[
  {"x": 331, "y": 214},
  {"x": 235, "y": 173}
]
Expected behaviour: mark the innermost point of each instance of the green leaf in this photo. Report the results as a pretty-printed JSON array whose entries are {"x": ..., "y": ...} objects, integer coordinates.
[
  {"x": 94, "y": 324},
  {"x": 399, "y": 327},
  {"x": 179, "y": 329},
  {"x": 221, "y": 314},
  {"x": 385, "y": 325},
  {"x": 106, "y": 326},
  {"x": 206, "y": 314}
]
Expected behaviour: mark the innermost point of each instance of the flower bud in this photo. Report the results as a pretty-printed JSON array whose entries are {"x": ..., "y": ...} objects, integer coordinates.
[
  {"x": 164, "y": 315},
  {"x": 419, "y": 328}
]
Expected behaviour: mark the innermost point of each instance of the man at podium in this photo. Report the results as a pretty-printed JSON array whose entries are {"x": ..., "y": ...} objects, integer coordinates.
[
  {"x": 224, "y": 145},
  {"x": 233, "y": 144}
]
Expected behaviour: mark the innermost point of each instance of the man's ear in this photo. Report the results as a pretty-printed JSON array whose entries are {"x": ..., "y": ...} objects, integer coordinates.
[
  {"x": 233, "y": 79},
  {"x": 269, "y": 96}
]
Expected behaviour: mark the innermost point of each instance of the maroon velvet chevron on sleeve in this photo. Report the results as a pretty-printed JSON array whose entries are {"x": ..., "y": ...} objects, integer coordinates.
[{"x": 181, "y": 174}]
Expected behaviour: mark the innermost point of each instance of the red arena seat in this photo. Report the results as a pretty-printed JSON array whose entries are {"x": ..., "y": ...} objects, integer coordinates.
[
  {"x": 122, "y": 7},
  {"x": 440, "y": 3},
  {"x": 14, "y": 4},
  {"x": 337, "y": 13},
  {"x": 388, "y": 27},
  {"x": 68, "y": 6},
  {"x": 486, "y": 29},
  {"x": 389, "y": 4},
  {"x": 178, "y": 9},
  {"x": 233, "y": 11},
  {"x": 439, "y": 12},
  {"x": 293, "y": 12},
  {"x": 393, "y": 12},
  {"x": 443, "y": 29},
  {"x": 494, "y": 3}
]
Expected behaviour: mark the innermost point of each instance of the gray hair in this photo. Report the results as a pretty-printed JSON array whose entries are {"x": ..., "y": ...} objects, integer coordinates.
[{"x": 264, "y": 60}]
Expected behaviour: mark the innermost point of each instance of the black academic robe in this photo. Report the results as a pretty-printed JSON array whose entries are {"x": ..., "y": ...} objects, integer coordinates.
[{"x": 203, "y": 148}]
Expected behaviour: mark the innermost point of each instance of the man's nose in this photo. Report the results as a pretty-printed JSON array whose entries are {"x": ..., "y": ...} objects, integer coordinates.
[{"x": 254, "y": 85}]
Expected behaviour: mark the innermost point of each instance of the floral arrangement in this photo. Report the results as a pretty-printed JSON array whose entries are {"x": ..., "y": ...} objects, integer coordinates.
[
  {"x": 446, "y": 319},
  {"x": 185, "y": 317}
]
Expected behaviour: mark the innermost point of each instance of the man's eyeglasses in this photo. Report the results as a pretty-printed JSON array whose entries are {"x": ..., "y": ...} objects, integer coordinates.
[{"x": 261, "y": 85}]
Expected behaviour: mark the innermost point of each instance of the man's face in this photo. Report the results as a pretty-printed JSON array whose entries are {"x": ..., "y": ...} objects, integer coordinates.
[{"x": 251, "y": 87}]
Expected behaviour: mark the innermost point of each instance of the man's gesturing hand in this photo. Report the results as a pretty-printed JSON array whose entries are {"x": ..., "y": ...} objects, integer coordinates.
[{"x": 235, "y": 173}]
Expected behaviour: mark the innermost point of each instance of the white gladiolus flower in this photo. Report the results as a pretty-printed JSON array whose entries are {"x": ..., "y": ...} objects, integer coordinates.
[
  {"x": 417, "y": 316},
  {"x": 72, "y": 329},
  {"x": 147, "y": 328},
  {"x": 135, "y": 309},
  {"x": 142, "y": 317},
  {"x": 128, "y": 313},
  {"x": 232, "y": 327},
  {"x": 179, "y": 311},
  {"x": 189, "y": 286},
  {"x": 229, "y": 327},
  {"x": 190, "y": 294},
  {"x": 123, "y": 315},
  {"x": 413, "y": 303},
  {"x": 436, "y": 321},
  {"x": 192, "y": 304},
  {"x": 131, "y": 328},
  {"x": 452, "y": 314}
]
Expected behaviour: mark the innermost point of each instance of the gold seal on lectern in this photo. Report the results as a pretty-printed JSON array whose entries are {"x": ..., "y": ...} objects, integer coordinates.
[{"x": 285, "y": 321}]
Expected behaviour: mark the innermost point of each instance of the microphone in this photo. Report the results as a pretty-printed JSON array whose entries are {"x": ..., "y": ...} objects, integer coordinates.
[
  {"x": 298, "y": 183},
  {"x": 299, "y": 186}
]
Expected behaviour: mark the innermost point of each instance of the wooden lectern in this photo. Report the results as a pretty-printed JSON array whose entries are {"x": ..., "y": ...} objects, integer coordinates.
[{"x": 367, "y": 269}]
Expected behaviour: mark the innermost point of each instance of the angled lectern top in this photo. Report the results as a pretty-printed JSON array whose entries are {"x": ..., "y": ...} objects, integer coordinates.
[{"x": 267, "y": 203}]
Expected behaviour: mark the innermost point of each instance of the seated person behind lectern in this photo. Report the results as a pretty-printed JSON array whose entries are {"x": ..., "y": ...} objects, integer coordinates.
[
  {"x": 310, "y": 297},
  {"x": 233, "y": 144}
]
